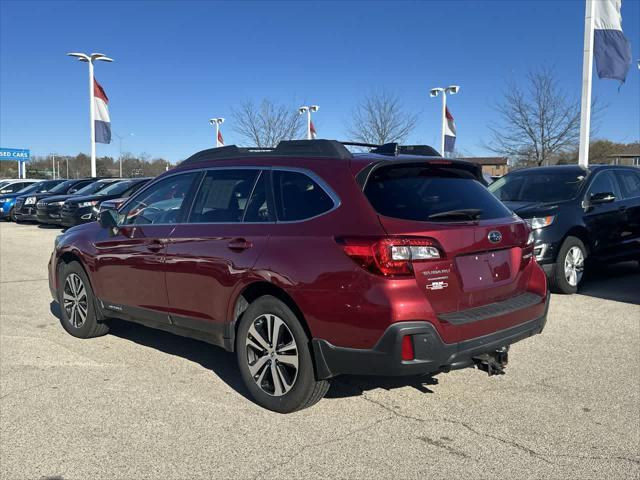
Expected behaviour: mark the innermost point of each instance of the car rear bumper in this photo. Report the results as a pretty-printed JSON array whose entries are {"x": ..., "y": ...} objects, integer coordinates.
[{"x": 431, "y": 354}]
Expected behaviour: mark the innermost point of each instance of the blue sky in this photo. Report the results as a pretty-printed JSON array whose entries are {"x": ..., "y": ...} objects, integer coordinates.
[{"x": 179, "y": 63}]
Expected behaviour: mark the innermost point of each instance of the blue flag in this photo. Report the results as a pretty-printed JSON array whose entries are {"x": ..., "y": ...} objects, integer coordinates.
[{"x": 611, "y": 49}]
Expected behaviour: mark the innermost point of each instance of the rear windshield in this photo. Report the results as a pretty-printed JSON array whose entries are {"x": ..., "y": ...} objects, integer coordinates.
[
  {"x": 431, "y": 194},
  {"x": 534, "y": 186}
]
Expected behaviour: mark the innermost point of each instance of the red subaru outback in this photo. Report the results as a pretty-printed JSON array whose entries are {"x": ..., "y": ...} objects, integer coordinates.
[{"x": 309, "y": 261}]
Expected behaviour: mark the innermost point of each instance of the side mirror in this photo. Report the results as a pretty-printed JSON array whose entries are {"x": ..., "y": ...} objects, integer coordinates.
[
  {"x": 603, "y": 197},
  {"x": 109, "y": 219}
]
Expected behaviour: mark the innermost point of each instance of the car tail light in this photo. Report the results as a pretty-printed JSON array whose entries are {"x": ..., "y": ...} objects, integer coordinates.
[
  {"x": 407, "y": 348},
  {"x": 527, "y": 250},
  {"x": 390, "y": 256}
]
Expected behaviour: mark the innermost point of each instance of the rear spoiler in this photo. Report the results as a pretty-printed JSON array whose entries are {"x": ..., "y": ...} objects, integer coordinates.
[{"x": 473, "y": 169}]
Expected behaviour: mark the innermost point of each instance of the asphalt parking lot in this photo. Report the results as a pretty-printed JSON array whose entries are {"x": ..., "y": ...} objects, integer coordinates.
[{"x": 139, "y": 403}]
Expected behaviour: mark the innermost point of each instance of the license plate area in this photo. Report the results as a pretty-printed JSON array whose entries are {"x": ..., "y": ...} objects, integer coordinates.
[{"x": 487, "y": 269}]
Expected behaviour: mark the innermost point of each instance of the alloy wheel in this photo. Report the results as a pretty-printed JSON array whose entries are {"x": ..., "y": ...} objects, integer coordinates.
[
  {"x": 574, "y": 266},
  {"x": 75, "y": 300},
  {"x": 272, "y": 355}
]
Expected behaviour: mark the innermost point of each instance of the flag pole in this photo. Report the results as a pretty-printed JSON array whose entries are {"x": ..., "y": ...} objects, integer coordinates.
[
  {"x": 92, "y": 117},
  {"x": 444, "y": 122},
  {"x": 587, "y": 76}
]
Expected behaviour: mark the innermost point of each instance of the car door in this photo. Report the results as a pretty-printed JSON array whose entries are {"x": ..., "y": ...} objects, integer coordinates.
[
  {"x": 629, "y": 181},
  {"x": 604, "y": 220},
  {"x": 129, "y": 266},
  {"x": 211, "y": 254}
]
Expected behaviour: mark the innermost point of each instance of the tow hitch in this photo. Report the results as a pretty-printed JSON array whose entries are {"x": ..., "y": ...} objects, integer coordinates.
[{"x": 493, "y": 362}]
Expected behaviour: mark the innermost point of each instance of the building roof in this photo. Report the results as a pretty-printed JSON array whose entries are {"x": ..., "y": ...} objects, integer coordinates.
[
  {"x": 487, "y": 160},
  {"x": 631, "y": 150}
]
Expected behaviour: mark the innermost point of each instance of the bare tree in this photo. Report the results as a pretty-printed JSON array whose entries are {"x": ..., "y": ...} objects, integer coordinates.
[
  {"x": 538, "y": 122},
  {"x": 265, "y": 125},
  {"x": 380, "y": 118}
]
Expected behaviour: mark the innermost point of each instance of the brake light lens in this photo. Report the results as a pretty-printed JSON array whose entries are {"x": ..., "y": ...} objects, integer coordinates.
[
  {"x": 407, "y": 348},
  {"x": 390, "y": 256}
]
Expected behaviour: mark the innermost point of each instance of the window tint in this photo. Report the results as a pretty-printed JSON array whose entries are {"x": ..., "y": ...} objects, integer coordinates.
[
  {"x": 604, "y": 182},
  {"x": 431, "y": 194},
  {"x": 223, "y": 196},
  {"x": 158, "y": 204},
  {"x": 258, "y": 210},
  {"x": 298, "y": 197},
  {"x": 629, "y": 182}
]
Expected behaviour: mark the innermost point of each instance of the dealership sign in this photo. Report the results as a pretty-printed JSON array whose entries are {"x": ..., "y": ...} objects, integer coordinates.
[{"x": 15, "y": 154}]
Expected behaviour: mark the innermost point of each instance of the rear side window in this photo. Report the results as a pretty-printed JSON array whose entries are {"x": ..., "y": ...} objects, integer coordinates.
[
  {"x": 298, "y": 196},
  {"x": 431, "y": 194},
  {"x": 223, "y": 196},
  {"x": 629, "y": 182}
]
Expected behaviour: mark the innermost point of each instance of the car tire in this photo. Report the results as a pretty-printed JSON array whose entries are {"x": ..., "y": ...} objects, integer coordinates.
[
  {"x": 266, "y": 360},
  {"x": 9, "y": 216},
  {"x": 77, "y": 303},
  {"x": 569, "y": 269},
  {"x": 12, "y": 216}
]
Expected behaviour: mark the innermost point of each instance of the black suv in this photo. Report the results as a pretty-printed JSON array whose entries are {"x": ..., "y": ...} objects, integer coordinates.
[
  {"x": 576, "y": 213},
  {"x": 84, "y": 208},
  {"x": 25, "y": 208},
  {"x": 48, "y": 210}
]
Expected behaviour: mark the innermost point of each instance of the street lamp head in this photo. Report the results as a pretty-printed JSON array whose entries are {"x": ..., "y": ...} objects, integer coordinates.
[
  {"x": 453, "y": 89},
  {"x": 434, "y": 92},
  {"x": 314, "y": 108},
  {"x": 80, "y": 56},
  {"x": 218, "y": 120},
  {"x": 302, "y": 110}
]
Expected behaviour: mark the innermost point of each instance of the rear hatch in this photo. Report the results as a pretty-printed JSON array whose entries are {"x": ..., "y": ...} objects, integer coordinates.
[{"x": 481, "y": 242}]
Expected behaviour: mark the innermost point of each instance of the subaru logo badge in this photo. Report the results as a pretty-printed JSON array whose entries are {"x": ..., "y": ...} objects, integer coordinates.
[{"x": 494, "y": 236}]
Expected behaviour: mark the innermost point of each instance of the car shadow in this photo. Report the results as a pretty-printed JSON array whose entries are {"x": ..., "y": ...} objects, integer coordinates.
[
  {"x": 212, "y": 358},
  {"x": 618, "y": 282},
  {"x": 48, "y": 226},
  {"x": 223, "y": 363}
]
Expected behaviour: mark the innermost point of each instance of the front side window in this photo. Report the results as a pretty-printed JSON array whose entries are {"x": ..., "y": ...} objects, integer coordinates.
[
  {"x": 159, "y": 204},
  {"x": 223, "y": 196},
  {"x": 629, "y": 182},
  {"x": 604, "y": 182},
  {"x": 298, "y": 196}
]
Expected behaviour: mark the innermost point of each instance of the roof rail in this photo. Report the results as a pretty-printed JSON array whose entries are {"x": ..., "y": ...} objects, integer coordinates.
[
  {"x": 286, "y": 148},
  {"x": 395, "y": 149}
]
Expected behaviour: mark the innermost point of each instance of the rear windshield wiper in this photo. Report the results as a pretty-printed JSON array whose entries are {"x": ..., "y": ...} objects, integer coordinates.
[{"x": 469, "y": 213}]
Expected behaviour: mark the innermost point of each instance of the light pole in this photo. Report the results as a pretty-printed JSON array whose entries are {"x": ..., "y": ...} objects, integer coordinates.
[
  {"x": 434, "y": 92},
  {"x": 94, "y": 57},
  {"x": 217, "y": 122},
  {"x": 120, "y": 139},
  {"x": 308, "y": 109},
  {"x": 53, "y": 167}
]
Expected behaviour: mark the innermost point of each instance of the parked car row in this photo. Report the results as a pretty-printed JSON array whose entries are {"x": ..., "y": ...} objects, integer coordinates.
[{"x": 62, "y": 202}]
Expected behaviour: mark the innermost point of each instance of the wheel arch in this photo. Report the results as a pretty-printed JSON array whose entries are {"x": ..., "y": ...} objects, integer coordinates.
[
  {"x": 252, "y": 292},
  {"x": 580, "y": 232}
]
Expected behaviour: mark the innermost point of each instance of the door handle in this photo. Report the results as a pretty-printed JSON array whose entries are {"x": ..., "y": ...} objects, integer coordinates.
[
  {"x": 155, "y": 245},
  {"x": 239, "y": 244}
]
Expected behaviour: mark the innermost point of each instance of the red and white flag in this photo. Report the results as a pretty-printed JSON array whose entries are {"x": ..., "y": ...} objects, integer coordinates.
[
  {"x": 220, "y": 139},
  {"x": 312, "y": 130},
  {"x": 101, "y": 119}
]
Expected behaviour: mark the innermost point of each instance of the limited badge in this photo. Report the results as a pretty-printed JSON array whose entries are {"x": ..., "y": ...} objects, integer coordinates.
[{"x": 439, "y": 285}]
